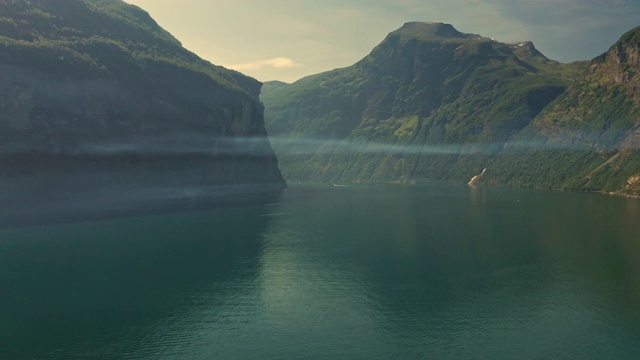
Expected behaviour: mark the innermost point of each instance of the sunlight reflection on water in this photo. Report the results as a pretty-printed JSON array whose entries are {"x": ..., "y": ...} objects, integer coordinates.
[{"x": 327, "y": 273}]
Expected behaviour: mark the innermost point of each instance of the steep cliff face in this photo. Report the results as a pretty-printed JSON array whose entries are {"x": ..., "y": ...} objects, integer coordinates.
[
  {"x": 95, "y": 94},
  {"x": 588, "y": 139},
  {"x": 429, "y": 103}
]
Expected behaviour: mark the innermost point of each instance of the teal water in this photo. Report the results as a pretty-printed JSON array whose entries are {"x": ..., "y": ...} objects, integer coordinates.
[{"x": 393, "y": 272}]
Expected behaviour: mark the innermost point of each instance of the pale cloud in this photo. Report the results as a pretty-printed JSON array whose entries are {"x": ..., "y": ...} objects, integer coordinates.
[
  {"x": 278, "y": 63},
  {"x": 329, "y": 34}
]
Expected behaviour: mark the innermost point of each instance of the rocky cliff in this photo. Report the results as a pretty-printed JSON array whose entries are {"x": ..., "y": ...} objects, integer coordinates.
[
  {"x": 588, "y": 139},
  {"x": 95, "y": 95}
]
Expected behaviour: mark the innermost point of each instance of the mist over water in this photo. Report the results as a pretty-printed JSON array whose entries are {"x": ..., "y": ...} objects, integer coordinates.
[
  {"x": 172, "y": 170},
  {"x": 135, "y": 175},
  {"x": 165, "y": 166},
  {"x": 157, "y": 145},
  {"x": 35, "y": 203},
  {"x": 316, "y": 146},
  {"x": 195, "y": 144}
]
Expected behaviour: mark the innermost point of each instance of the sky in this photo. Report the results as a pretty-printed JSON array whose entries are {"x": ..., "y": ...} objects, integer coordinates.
[{"x": 288, "y": 39}]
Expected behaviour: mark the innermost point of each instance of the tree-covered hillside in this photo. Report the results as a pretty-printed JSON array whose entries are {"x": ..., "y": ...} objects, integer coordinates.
[
  {"x": 90, "y": 37},
  {"x": 588, "y": 139},
  {"x": 95, "y": 91},
  {"x": 429, "y": 103}
]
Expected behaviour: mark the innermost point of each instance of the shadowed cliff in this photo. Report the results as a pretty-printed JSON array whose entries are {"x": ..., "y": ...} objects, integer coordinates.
[{"x": 95, "y": 97}]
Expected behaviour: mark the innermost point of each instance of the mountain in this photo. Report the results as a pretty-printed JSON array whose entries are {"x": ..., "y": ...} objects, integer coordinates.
[
  {"x": 589, "y": 138},
  {"x": 95, "y": 95},
  {"x": 428, "y": 103}
]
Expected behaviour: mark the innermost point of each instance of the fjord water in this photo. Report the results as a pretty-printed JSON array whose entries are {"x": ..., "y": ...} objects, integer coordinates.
[{"x": 403, "y": 272}]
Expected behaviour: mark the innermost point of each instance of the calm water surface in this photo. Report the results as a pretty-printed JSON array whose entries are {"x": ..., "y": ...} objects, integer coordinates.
[{"x": 394, "y": 272}]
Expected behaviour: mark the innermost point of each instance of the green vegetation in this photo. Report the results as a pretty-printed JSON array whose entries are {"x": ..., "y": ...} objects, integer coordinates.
[
  {"x": 430, "y": 103},
  {"x": 599, "y": 115},
  {"x": 89, "y": 85},
  {"x": 83, "y": 38},
  {"x": 424, "y": 87}
]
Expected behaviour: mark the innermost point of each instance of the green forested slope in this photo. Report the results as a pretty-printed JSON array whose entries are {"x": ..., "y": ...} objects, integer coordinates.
[
  {"x": 91, "y": 37},
  {"x": 429, "y": 103},
  {"x": 96, "y": 86},
  {"x": 588, "y": 139}
]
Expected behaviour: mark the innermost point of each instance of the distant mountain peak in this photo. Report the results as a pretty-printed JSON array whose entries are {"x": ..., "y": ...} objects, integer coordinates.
[
  {"x": 631, "y": 37},
  {"x": 627, "y": 49},
  {"x": 620, "y": 64},
  {"x": 433, "y": 30},
  {"x": 524, "y": 49},
  {"x": 442, "y": 29},
  {"x": 521, "y": 44}
]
